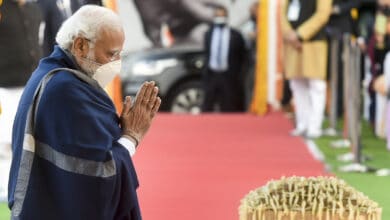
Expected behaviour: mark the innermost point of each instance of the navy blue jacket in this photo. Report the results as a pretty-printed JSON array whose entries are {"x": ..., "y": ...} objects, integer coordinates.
[{"x": 67, "y": 164}]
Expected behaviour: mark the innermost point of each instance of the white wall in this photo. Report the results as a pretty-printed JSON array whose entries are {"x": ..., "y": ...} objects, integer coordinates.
[{"x": 135, "y": 37}]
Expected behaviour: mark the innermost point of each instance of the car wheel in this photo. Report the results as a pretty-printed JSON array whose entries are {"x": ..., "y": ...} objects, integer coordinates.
[{"x": 187, "y": 98}]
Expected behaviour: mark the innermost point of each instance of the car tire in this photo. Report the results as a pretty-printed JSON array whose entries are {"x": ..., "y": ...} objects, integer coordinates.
[{"x": 187, "y": 98}]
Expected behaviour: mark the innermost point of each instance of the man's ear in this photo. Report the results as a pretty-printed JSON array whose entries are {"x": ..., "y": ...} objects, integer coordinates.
[{"x": 80, "y": 47}]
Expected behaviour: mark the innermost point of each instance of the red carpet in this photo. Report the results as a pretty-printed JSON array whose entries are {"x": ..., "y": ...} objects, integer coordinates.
[{"x": 199, "y": 167}]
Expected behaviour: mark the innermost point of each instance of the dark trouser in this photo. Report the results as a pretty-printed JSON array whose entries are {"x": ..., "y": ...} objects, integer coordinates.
[
  {"x": 287, "y": 94},
  {"x": 249, "y": 84},
  {"x": 340, "y": 84},
  {"x": 218, "y": 90}
]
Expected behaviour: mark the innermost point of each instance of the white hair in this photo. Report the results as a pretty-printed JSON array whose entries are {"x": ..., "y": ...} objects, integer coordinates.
[{"x": 87, "y": 22}]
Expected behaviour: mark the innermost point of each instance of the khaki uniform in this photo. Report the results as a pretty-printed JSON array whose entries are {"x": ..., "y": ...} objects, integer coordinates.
[
  {"x": 306, "y": 68},
  {"x": 311, "y": 62}
]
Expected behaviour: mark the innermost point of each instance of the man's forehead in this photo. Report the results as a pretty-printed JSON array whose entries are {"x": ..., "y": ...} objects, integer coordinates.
[
  {"x": 109, "y": 34},
  {"x": 111, "y": 39}
]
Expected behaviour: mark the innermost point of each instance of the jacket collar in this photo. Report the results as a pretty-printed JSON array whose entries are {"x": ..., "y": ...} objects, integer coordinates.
[{"x": 66, "y": 58}]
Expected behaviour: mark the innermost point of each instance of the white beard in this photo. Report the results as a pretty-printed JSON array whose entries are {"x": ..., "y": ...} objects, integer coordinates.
[{"x": 88, "y": 64}]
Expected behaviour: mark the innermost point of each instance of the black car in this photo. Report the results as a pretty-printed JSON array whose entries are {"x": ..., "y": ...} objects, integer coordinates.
[{"x": 177, "y": 72}]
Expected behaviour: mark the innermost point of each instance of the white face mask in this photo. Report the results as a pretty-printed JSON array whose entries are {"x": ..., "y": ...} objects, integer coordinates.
[
  {"x": 107, "y": 72},
  {"x": 102, "y": 73},
  {"x": 220, "y": 20}
]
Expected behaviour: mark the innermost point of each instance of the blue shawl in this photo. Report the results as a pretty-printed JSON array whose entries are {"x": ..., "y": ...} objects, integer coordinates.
[{"x": 67, "y": 163}]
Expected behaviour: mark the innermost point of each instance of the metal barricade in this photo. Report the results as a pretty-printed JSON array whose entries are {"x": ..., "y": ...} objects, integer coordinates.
[
  {"x": 334, "y": 80},
  {"x": 355, "y": 102},
  {"x": 352, "y": 96},
  {"x": 346, "y": 82}
]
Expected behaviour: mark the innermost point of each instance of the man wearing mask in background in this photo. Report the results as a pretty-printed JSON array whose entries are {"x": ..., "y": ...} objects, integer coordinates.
[
  {"x": 224, "y": 75},
  {"x": 71, "y": 151},
  {"x": 19, "y": 54}
]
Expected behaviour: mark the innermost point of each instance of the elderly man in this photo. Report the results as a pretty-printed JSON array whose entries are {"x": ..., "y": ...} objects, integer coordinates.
[{"x": 72, "y": 153}]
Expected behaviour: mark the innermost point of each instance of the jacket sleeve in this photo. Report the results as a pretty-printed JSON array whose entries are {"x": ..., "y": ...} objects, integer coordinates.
[
  {"x": 321, "y": 16},
  {"x": 284, "y": 23}
]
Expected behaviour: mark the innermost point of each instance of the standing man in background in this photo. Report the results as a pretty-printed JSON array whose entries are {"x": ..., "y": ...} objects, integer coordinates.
[
  {"x": 224, "y": 73},
  {"x": 305, "y": 60},
  {"x": 340, "y": 23},
  {"x": 19, "y": 55},
  {"x": 55, "y": 12}
]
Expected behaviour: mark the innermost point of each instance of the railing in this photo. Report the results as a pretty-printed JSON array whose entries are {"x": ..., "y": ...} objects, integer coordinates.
[
  {"x": 352, "y": 92},
  {"x": 352, "y": 95}
]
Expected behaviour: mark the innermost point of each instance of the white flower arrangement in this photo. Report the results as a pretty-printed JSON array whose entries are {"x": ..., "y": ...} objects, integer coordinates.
[{"x": 319, "y": 198}]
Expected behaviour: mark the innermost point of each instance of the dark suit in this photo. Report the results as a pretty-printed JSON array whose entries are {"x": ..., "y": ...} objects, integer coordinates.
[
  {"x": 338, "y": 25},
  {"x": 225, "y": 88},
  {"x": 342, "y": 22},
  {"x": 19, "y": 47},
  {"x": 54, "y": 15}
]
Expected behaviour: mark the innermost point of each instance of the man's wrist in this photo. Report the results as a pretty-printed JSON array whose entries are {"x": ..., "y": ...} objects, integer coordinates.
[
  {"x": 128, "y": 144},
  {"x": 131, "y": 138},
  {"x": 300, "y": 39}
]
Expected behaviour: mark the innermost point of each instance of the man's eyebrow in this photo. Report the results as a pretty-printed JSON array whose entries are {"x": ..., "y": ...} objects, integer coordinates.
[{"x": 116, "y": 51}]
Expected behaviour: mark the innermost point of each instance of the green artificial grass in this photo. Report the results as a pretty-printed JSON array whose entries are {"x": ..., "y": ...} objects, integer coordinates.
[
  {"x": 4, "y": 211},
  {"x": 375, "y": 187}
]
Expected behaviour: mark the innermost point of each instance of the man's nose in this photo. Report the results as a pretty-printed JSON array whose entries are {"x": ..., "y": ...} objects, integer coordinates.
[{"x": 115, "y": 57}]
